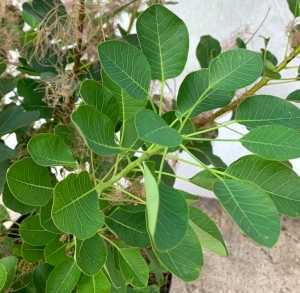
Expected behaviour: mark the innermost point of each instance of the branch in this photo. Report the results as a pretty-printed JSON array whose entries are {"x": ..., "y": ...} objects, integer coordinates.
[{"x": 264, "y": 81}]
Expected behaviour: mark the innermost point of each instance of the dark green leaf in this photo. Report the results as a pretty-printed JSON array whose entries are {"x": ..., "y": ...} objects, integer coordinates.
[
  {"x": 76, "y": 207},
  {"x": 207, "y": 49},
  {"x": 40, "y": 276},
  {"x": 294, "y": 96},
  {"x": 164, "y": 40},
  {"x": 3, "y": 168},
  {"x": 32, "y": 253},
  {"x": 46, "y": 218},
  {"x": 54, "y": 252},
  {"x": 7, "y": 84},
  {"x": 6, "y": 153}
]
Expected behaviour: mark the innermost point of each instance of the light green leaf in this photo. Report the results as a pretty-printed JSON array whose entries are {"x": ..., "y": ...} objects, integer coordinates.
[
  {"x": 76, "y": 207},
  {"x": 164, "y": 39},
  {"x": 94, "y": 284},
  {"x": 207, "y": 49},
  {"x": 134, "y": 267},
  {"x": 207, "y": 231},
  {"x": 54, "y": 252},
  {"x": 13, "y": 204},
  {"x": 251, "y": 208},
  {"x": 14, "y": 117},
  {"x": 3, "y": 276},
  {"x": 129, "y": 223},
  {"x": 29, "y": 183},
  {"x": 267, "y": 110},
  {"x": 96, "y": 95},
  {"x": 10, "y": 264},
  {"x": 277, "y": 179},
  {"x": 48, "y": 149},
  {"x": 167, "y": 213},
  {"x": 294, "y": 96},
  {"x": 192, "y": 93},
  {"x": 91, "y": 255},
  {"x": 127, "y": 67},
  {"x": 46, "y": 218},
  {"x": 33, "y": 233},
  {"x": 153, "y": 129},
  {"x": 185, "y": 260},
  {"x": 63, "y": 278},
  {"x": 235, "y": 69},
  {"x": 32, "y": 253},
  {"x": 97, "y": 130},
  {"x": 273, "y": 142}
]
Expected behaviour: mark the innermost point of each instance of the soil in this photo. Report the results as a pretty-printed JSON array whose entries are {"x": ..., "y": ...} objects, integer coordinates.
[{"x": 249, "y": 268}]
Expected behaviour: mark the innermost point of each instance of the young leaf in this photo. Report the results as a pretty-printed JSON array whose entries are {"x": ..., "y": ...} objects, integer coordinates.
[
  {"x": 129, "y": 223},
  {"x": 164, "y": 40},
  {"x": 13, "y": 204},
  {"x": 54, "y": 252},
  {"x": 127, "y": 67},
  {"x": 46, "y": 218},
  {"x": 251, "y": 208},
  {"x": 29, "y": 183},
  {"x": 10, "y": 264},
  {"x": 94, "y": 284},
  {"x": 14, "y": 117},
  {"x": 134, "y": 267},
  {"x": 63, "y": 278},
  {"x": 167, "y": 213},
  {"x": 186, "y": 259},
  {"x": 207, "y": 231},
  {"x": 278, "y": 180},
  {"x": 90, "y": 255},
  {"x": 3, "y": 276},
  {"x": 207, "y": 49},
  {"x": 32, "y": 253},
  {"x": 192, "y": 93},
  {"x": 153, "y": 129},
  {"x": 264, "y": 110},
  {"x": 294, "y": 96},
  {"x": 48, "y": 149},
  {"x": 76, "y": 207},
  {"x": 273, "y": 142},
  {"x": 33, "y": 233},
  {"x": 96, "y": 95},
  {"x": 97, "y": 130},
  {"x": 234, "y": 69}
]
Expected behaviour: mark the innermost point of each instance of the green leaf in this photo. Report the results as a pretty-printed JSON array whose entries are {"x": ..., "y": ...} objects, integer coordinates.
[
  {"x": 3, "y": 168},
  {"x": 186, "y": 259},
  {"x": 207, "y": 231},
  {"x": 97, "y": 130},
  {"x": 192, "y": 93},
  {"x": 273, "y": 142},
  {"x": 29, "y": 183},
  {"x": 164, "y": 39},
  {"x": 48, "y": 149},
  {"x": 294, "y": 6},
  {"x": 251, "y": 208},
  {"x": 235, "y": 69},
  {"x": 134, "y": 267},
  {"x": 2, "y": 66},
  {"x": 129, "y": 223},
  {"x": 153, "y": 129},
  {"x": 207, "y": 49},
  {"x": 167, "y": 213},
  {"x": 14, "y": 117},
  {"x": 205, "y": 179},
  {"x": 94, "y": 284},
  {"x": 96, "y": 95},
  {"x": 3, "y": 276},
  {"x": 68, "y": 133},
  {"x": 76, "y": 207},
  {"x": 7, "y": 84},
  {"x": 63, "y": 278},
  {"x": 32, "y": 253},
  {"x": 278, "y": 180},
  {"x": 33, "y": 233},
  {"x": 54, "y": 252},
  {"x": 10, "y": 264},
  {"x": 33, "y": 92},
  {"x": 127, "y": 67},
  {"x": 6, "y": 153},
  {"x": 90, "y": 255},
  {"x": 13, "y": 204},
  {"x": 40, "y": 276},
  {"x": 294, "y": 96},
  {"x": 46, "y": 218},
  {"x": 267, "y": 110}
]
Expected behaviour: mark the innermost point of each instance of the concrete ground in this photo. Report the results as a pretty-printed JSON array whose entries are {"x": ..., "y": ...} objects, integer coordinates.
[{"x": 249, "y": 268}]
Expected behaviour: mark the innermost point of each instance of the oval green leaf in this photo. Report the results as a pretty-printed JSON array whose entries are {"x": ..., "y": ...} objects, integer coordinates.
[
  {"x": 10, "y": 264},
  {"x": 54, "y": 252},
  {"x": 207, "y": 49}
]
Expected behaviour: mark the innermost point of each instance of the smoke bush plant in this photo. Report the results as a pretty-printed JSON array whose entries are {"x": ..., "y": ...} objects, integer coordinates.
[{"x": 92, "y": 183}]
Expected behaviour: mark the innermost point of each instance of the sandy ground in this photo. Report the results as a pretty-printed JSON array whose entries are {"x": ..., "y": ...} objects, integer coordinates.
[{"x": 249, "y": 268}]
